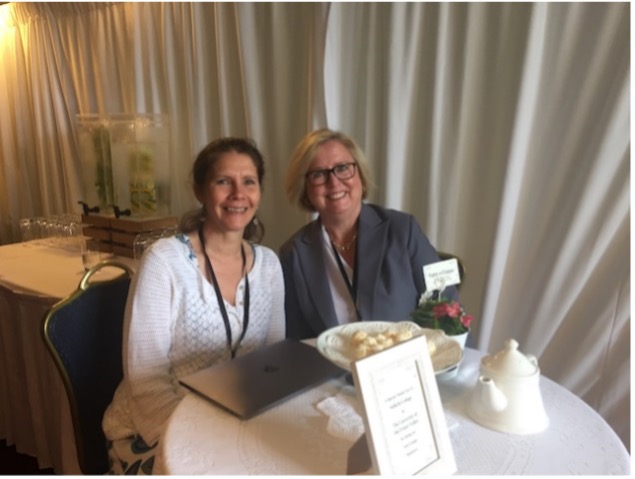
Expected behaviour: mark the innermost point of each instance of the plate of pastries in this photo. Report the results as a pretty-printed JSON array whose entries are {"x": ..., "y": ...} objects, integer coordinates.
[{"x": 347, "y": 343}]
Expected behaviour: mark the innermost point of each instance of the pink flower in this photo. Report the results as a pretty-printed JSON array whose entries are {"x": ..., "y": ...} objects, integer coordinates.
[
  {"x": 466, "y": 320},
  {"x": 444, "y": 314},
  {"x": 454, "y": 310},
  {"x": 440, "y": 310}
]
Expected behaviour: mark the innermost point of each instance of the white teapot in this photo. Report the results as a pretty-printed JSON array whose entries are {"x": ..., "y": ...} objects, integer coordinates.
[{"x": 507, "y": 395}]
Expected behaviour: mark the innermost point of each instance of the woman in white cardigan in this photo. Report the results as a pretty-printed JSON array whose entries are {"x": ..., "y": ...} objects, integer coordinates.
[{"x": 199, "y": 298}]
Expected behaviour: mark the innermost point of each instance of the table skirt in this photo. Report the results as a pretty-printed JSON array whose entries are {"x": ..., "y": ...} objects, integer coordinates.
[{"x": 34, "y": 408}]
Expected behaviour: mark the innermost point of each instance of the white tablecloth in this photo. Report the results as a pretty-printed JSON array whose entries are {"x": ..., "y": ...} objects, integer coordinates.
[
  {"x": 34, "y": 410},
  {"x": 292, "y": 438}
]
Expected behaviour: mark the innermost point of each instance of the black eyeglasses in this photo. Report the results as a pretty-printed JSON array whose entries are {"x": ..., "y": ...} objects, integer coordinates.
[{"x": 343, "y": 171}]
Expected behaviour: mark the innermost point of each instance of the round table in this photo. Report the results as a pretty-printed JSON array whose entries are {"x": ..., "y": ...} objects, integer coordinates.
[
  {"x": 292, "y": 438},
  {"x": 34, "y": 410}
]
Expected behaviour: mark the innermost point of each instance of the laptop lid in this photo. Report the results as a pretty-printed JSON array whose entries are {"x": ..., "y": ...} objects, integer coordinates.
[{"x": 255, "y": 382}]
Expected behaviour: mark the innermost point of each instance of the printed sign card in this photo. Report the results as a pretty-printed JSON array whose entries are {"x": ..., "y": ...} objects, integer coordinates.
[
  {"x": 403, "y": 416},
  {"x": 441, "y": 274}
]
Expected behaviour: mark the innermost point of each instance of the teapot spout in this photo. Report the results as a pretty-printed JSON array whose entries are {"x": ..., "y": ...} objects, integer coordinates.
[{"x": 490, "y": 396}]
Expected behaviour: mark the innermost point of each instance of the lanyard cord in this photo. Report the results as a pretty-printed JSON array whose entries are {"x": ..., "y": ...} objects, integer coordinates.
[
  {"x": 352, "y": 288},
  {"x": 219, "y": 296}
]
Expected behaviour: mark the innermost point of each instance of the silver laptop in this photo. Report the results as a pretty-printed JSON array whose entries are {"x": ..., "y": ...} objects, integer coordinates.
[{"x": 255, "y": 382}]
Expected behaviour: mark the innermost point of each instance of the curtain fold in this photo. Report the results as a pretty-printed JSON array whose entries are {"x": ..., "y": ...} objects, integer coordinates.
[{"x": 503, "y": 127}]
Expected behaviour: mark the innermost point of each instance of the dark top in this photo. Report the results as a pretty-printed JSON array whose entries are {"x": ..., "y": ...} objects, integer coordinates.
[{"x": 391, "y": 252}]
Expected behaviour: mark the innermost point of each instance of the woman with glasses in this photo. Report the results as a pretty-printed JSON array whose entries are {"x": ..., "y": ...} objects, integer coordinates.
[{"x": 356, "y": 261}]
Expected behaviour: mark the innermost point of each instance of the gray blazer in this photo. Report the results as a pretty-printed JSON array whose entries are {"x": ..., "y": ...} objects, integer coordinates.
[{"x": 391, "y": 251}]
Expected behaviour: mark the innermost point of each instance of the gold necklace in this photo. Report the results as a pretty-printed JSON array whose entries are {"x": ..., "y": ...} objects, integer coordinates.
[{"x": 346, "y": 246}]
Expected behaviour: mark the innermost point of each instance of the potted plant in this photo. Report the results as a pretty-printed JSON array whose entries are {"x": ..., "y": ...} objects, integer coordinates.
[{"x": 444, "y": 314}]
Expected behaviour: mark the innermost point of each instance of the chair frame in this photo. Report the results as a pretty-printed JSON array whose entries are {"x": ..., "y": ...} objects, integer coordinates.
[{"x": 84, "y": 285}]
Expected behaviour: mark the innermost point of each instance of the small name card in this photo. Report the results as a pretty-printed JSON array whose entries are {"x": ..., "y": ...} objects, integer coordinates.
[
  {"x": 441, "y": 274},
  {"x": 405, "y": 424}
]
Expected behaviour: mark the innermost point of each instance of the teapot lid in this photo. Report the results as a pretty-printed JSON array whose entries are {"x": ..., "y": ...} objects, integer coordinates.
[{"x": 509, "y": 361}]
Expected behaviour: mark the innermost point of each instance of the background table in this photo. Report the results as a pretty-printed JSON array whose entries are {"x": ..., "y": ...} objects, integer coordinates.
[
  {"x": 34, "y": 409},
  {"x": 292, "y": 438}
]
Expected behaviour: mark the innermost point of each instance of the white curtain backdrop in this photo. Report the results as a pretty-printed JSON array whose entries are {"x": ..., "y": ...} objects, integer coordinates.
[{"x": 503, "y": 127}]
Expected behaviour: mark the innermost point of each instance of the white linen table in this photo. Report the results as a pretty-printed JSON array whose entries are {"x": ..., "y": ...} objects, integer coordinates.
[
  {"x": 292, "y": 437},
  {"x": 34, "y": 409}
]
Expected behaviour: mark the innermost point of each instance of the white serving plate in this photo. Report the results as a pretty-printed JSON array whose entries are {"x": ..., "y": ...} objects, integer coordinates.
[{"x": 336, "y": 344}]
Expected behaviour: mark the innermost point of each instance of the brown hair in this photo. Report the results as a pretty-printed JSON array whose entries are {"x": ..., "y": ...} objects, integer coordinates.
[{"x": 203, "y": 168}]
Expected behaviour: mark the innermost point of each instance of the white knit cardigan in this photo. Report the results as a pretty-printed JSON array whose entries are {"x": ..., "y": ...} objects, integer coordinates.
[{"x": 173, "y": 326}]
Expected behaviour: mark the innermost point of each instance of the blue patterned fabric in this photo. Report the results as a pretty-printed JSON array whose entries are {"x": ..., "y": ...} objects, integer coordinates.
[{"x": 131, "y": 457}]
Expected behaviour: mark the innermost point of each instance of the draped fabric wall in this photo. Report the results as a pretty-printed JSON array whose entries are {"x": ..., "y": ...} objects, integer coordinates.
[{"x": 504, "y": 127}]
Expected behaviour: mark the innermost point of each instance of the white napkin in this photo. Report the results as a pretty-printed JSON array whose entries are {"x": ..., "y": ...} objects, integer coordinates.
[
  {"x": 345, "y": 421},
  {"x": 451, "y": 421}
]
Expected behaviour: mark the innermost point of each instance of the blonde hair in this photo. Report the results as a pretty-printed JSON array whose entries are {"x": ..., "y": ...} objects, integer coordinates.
[{"x": 295, "y": 179}]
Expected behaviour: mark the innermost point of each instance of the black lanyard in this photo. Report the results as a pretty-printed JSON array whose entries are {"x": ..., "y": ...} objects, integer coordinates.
[
  {"x": 221, "y": 301},
  {"x": 352, "y": 288}
]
